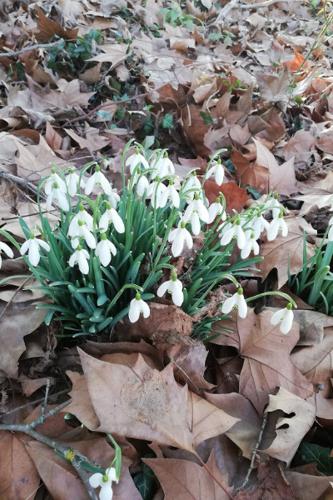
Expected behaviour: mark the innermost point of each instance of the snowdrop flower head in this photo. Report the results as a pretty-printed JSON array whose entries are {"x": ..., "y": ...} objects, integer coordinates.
[
  {"x": 80, "y": 257},
  {"x": 104, "y": 250},
  {"x": 236, "y": 301},
  {"x": 179, "y": 238},
  {"x": 273, "y": 204},
  {"x": 82, "y": 216},
  {"x": 191, "y": 186},
  {"x": 137, "y": 307},
  {"x": 173, "y": 286},
  {"x": 98, "y": 183},
  {"x": 276, "y": 226},
  {"x": 7, "y": 250},
  {"x": 163, "y": 167},
  {"x": 258, "y": 225},
  {"x": 251, "y": 245},
  {"x": 142, "y": 186},
  {"x": 136, "y": 162},
  {"x": 74, "y": 182},
  {"x": 234, "y": 230},
  {"x": 284, "y": 318},
  {"x": 216, "y": 169},
  {"x": 216, "y": 209},
  {"x": 84, "y": 233},
  {"x": 158, "y": 194},
  {"x": 32, "y": 246},
  {"x": 114, "y": 198},
  {"x": 104, "y": 482},
  {"x": 172, "y": 194},
  {"x": 111, "y": 216},
  {"x": 54, "y": 178},
  {"x": 59, "y": 196}
]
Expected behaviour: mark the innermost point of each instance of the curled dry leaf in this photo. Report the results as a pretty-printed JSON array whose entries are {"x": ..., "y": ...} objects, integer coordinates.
[
  {"x": 143, "y": 403},
  {"x": 291, "y": 428}
]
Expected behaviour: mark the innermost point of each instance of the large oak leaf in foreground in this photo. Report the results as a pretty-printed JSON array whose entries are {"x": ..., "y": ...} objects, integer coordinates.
[{"x": 138, "y": 401}]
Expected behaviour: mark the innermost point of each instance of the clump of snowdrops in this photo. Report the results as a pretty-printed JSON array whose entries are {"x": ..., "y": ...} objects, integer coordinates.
[{"x": 111, "y": 253}]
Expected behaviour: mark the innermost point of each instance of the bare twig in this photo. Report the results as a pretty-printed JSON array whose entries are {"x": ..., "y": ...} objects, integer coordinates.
[
  {"x": 31, "y": 403},
  {"x": 14, "y": 53},
  {"x": 3, "y": 312},
  {"x": 76, "y": 459},
  {"x": 261, "y": 5},
  {"x": 44, "y": 404},
  {"x": 254, "y": 452},
  {"x": 18, "y": 181}
]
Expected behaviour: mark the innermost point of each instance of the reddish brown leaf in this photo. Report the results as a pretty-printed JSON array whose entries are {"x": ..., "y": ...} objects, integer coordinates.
[{"x": 236, "y": 197}]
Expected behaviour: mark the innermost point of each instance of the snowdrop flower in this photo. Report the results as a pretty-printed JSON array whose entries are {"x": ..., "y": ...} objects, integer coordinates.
[
  {"x": 104, "y": 481},
  {"x": 250, "y": 245},
  {"x": 196, "y": 212},
  {"x": 104, "y": 249},
  {"x": 111, "y": 216},
  {"x": 173, "y": 286},
  {"x": 73, "y": 182},
  {"x": 82, "y": 232},
  {"x": 215, "y": 209},
  {"x": 98, "y": 182},
  {"x": 80, "y": 257},
  {"x": 137, "y": 307},
  {"x": 179, "y": 238},
  {"x": 136, "y": 162},
  {"x": 233, "y": 231},
  {"x": 7, "y": 250},
  {"x": 258, "y": 225},
  {"x": 83, "y": 217},
  {"x": 236, "y": 300},
  {"x": 142, "y": 186},
  {"x": 191, "y": 186},
  {"x": 54, "y": 178},
  {"x": 274, "y": 205},
  {"x": 114, "y": 198},
  {"x": 32, "y": 246},
  {"x": 158, "y": 194},
  {"x": 163, "y": 167},
  {"x": 277, "y": 225},
  {"x": 56, "y": 194},
  {"x": 217, "y": 171},
  {"x": 172, "y": 194},
  {"x": 284, "y": 318}
]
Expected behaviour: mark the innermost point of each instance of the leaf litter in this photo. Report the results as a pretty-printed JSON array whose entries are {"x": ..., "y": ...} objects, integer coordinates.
[{"x": 80, "y": 78}]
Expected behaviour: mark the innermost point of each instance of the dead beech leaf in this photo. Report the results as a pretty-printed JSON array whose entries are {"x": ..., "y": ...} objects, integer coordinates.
[
  {"x": 290, "y": 429},
  {"x": 185, "y": 480},
  {"x": 19, "y": 320},
  {"x": 309, "y": 487},
  {"x": 93, "y": 140},
  {"x": 47, "y": 28},
  {"x": 19, "y": 479},
  {"x": 143, "y": 403},
  {"x": 250, "y": 173},
  {"x": 235, "y": 196},
  {"x": 112, "y": 52},
  {"x": 52, "y": 137},
  {"x": 285, "y": 254}
]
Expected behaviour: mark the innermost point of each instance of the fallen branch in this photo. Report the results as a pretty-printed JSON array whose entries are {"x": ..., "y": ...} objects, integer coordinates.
[
  {"x": 76, "y": 459},
  {"x": 14, "y": 53},
  {"x": 18, "y": 181}
]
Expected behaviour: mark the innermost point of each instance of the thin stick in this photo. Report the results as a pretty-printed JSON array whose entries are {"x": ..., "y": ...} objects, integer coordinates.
[
  {"x": 254, "y": 453},
  {"x": 14, "y": 53},
  {"x": 260, "y": 5},
  {"x": 19, "y": 181}
]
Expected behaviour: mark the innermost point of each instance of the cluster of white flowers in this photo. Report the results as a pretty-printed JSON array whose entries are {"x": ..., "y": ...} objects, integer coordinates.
[{"x": 154, "y": 180}]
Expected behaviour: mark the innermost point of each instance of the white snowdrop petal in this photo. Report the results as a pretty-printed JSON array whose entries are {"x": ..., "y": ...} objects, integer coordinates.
[
  {"x": 219, "y": 175},
  {"x": 106, "y": 492},
  {"x": 144, "y": 309},
  {"x": 246, "y": 250},
  {"x": 82, "y": 262},
  {"x": 72, "y": 260},
  {"x": 117, "y": 221},
  {"x": 241, "y": 239},
  {"x": 227, "y": 236},
  {"x": 273, "y": 230},
  {"x": 5, "y": 248},
  {"x": 177, "y": 245},
  {"x": 177, "y": 293},
  {"x": 163, "y": 288},
  {"x": 242, "y": 306},
  {"x": 287, "y": 322},
  {"x": 89, "y": 185},
  {"x": 134, "y": 311},
  {"x": 195, "y": 224},
  {"x": 229, "y": 304},
  {"x": 188, "y": 239},
  {"x": 96, "y": 480},
  {"x": 34, "y": 255},
  {"x": 277, "y": 317}
]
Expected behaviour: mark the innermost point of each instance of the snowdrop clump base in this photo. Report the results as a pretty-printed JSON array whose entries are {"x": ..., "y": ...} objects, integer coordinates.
[{"x": 111, "y": 253}]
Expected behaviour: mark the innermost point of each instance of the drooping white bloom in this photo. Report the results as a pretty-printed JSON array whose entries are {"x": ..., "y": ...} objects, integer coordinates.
[
  {"x": 98, "y": 183},
  {"x": 258, "y": 225},
  {"x": 284, "y": 318},
  {"x": 215, "y": 209},
  {"x": 104, "y": 482},
  {"x": 82, "y": 217},
  {"x": 136, "y": 162},
  {"x": 274, "y": 205},
  {"x": 251, "y": 245},
  {"x": 275, "y": 227},
  {"x": 54, "y": 178},
  {"x": 56, "y": 194},
  {"x": 104, "y": 250},
  {"x": 236, "y": 300},
  {"x": 142, "y": 186},
  {"x": 137, "y": 307},
  {"x": 111, "y": 216},
  {"x": 191, "y": 186},
  {"x": 217, "y": 171},
  {"x": 173, "y": 195},
  {"x": 179, "y": 238},
  {"x": 163, "y": 167},
  {"x": 173, "y": 286},
  {"x": 74, "y": 182},
  {"x": 196, "y": 212},
  {"x": 80, "y": 257},
  {"x": 82, "y": 232},
  {"x": 32, "y": 246},
  {"x": 233, "y": 231},
  {"x": 7, "y": 250},
  {"x": 114, "y": 198},
  {"x": 158, "y": 194}
]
